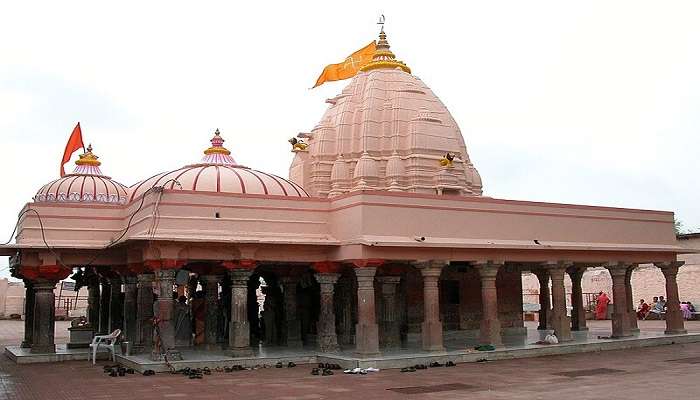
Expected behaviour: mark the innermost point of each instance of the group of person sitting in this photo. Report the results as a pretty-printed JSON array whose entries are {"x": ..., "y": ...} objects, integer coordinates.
[{"x": 658, "y": 307}]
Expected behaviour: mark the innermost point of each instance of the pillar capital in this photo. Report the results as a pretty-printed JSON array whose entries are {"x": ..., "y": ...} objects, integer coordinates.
[
  {"x": 670, "y": 267},
  {"x": 326, "y": 278},
  {"x": 245, "y": 264},
  {"x": 53, "y": 272},
  {"x": 487, "y": 269},
  {"x": 368, "y": 263},
  {"x": 365, "y": 276},
  {"x": 239, "y": 277},
  {"x": 164, "y": 264},
  {"x": 430, "y": 268},
  {"x": 617, "y": 269},
  {"x": 326, "y": 267}
]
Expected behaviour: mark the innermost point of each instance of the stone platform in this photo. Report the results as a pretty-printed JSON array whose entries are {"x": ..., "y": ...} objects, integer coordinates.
[
  {"x": 514, "y": 347},
  {"x": 22, "y": 355}
]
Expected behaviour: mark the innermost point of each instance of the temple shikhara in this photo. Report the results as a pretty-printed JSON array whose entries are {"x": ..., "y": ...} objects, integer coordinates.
[{"x": 380, "y": 244}]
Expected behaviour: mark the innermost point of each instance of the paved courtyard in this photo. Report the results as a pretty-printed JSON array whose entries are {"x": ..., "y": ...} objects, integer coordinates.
[{"x": 665, "y": 372}]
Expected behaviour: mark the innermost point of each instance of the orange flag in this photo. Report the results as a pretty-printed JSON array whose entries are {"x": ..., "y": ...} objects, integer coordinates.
[
  {"x": 349, "y": 67},
  {"x": 75, "y": 141}
]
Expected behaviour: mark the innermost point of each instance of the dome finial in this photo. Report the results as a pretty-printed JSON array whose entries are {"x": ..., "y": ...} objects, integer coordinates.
[
  {"x": 384, "y": 58},
  {"x": 217, "y": 153},
  {"x": 88, "y": 163}
]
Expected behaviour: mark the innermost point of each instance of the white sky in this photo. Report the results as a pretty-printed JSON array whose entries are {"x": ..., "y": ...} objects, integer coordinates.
[{"x": 591, "y": 102}]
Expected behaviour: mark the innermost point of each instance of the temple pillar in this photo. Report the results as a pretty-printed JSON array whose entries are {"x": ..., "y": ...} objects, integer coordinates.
[
  {"x": 674, "y": 317},
  {"x": 390, "y": 333},
  {"x": 560, "y": 321},
  {"x": 144, "y": 312},
  {"x": 130, "y": 309},
  {"x": 366, "y": 329},
  {"x": 115, "y": 304},
  {"x": 578, "y": 312},
  {"x": 327, "y": 337},
  {"x": 490, "y": 330},
  {"x": 28, "y": 314},
  {"x": 620, "y": 323},
  {"x": 165, "y": 308},
  {"x": 105, "y": 293},
  {"x": 239, "y": 327},
  {"x": 93, "y": 309},
  {"x": 291, "y": 320},
  {"x": 431, "y": 329},
  {"x": 44, "y": 317},
  {"x": 545, "y": 303},
  {"x": 211, "y": 299},
  {"x": 632, "y": 317}
]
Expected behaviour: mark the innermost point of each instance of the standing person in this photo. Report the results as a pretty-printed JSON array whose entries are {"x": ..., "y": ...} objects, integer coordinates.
[
  {"x": 601, "y": 307},
  {"x": 199, "y": 316},
  {"x": 642, "y": 309},
  {"x": 685, "y": 310}
]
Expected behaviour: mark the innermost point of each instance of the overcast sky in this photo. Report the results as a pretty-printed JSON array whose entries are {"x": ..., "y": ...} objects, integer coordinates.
[{"x": 593, "y": 102}]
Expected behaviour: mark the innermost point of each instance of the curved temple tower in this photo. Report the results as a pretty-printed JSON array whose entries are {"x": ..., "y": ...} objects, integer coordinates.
[{"x": 385, "y": 131}]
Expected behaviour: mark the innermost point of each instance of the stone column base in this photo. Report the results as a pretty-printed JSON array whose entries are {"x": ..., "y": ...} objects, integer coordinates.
[
  {"x": 676, "y": 332},
  {"x": 367, "y": 340},
  {"x": 490, "y": 332},
  {"x": 431, "y": 334},
  {"x": 239, "y": 352},
  {"x": 328, "y": 343},
  {"x": 42, "y": 349},
  {"x": 25, "y": 345}
]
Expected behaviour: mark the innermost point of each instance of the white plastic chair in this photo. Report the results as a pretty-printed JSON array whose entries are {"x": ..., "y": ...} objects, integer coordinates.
[{"x": 108, "y": 342}]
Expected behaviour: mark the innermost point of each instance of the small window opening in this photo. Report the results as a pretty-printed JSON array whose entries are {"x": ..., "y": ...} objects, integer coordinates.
[{"x": 216, "y": 215}]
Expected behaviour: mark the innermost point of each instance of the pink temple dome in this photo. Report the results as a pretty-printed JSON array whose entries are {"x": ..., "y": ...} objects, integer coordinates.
[
  {"x": 87, "y": 184},
  {"x": 218, "y": 172}
]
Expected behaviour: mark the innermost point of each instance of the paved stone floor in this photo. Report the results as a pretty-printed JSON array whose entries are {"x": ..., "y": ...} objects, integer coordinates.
[{"x": 665, "y": 372}]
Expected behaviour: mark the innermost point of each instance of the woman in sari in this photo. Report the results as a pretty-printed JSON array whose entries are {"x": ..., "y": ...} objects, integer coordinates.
[
  {"x": 642, "y": 309},
  {"x": 601, "y": 307}
]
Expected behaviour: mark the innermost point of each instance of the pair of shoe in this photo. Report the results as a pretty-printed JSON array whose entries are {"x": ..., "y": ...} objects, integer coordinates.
[
  {"x": 435, "y": 364},
  {"x": 291, "y": 365},
  {"x": 420, "y": 366},
  {"x": 329, "y": 366},
  {"x": 322, "y": 372},
  {"x": 315, "y": 371},
  {"x": 408, "y": 369},
  {"x": 326, "y": 372},
  {"x": 279, "y": 365},
  {"x": 206, "y": 371},
  {"x": 149, "y": 372},
  {"x": 450, "y": 364}
]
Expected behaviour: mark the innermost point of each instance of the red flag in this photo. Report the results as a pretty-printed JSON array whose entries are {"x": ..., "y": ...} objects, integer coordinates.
[{"x": 75, "y": 141}]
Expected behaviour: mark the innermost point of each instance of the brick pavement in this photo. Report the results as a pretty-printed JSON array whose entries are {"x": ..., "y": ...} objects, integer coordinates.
[{"x": 638, "y": 374}]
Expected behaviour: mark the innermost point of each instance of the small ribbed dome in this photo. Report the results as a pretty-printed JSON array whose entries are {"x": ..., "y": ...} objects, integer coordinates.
[
  {"x": 86, "y": 184},
  {"x": 218, "y": 172}
]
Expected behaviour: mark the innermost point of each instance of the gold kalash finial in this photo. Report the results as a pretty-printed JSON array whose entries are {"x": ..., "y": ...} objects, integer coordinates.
[
  {"x": 88, "y": 158},
  {"x": 383, "y": 57}
]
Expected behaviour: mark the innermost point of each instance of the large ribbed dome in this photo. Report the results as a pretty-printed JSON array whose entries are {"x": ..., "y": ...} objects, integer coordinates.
[
  {"x": 86, "y": 184},
  {"x": 386, "y": 131},
  {"x": 218, "y": 172}
]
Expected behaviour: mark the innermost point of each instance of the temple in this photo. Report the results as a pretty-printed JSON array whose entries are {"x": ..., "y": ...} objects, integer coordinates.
[{"x": 380, "y": 241}]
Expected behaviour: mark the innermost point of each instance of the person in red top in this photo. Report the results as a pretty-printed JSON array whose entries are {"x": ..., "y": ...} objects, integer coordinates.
[
  {"x": 601, "y": 307},
  {"x": 642, "y": 309}
]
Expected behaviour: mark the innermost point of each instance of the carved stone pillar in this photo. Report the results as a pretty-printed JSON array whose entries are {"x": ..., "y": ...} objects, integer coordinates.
[
  {"x": 165, "y": 308},
  {"x": 366, "y": 330},
  {"x": 105, "y": 294},
  {"x": 545, "y": 302},
  {"x": 130, "y": 308},
  {"x": 44, "y": 317},
  {"x": 144, "y": 313},
  {"x": 674, "y": 318},
  {"x": 390, "y": 333},
  {"x": 93, "y": 310},
  {"x": 211, "y": 298},
  {"x": 578, "y": 312},
  {"x": 560, "y": 321},
  {"x": 115, "y": 304},
  {"x": 632, "y": 317},
  {"x": 327, "y": 337},
  {"x": 239, "y": 327},
  {"x": 431, "y": 329},
  {"x": 490, "y": 331},
  {"x": 620, "y": 323},
  {"x": 28, "y": 314},
  {"x": 291, "y": 320}
]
